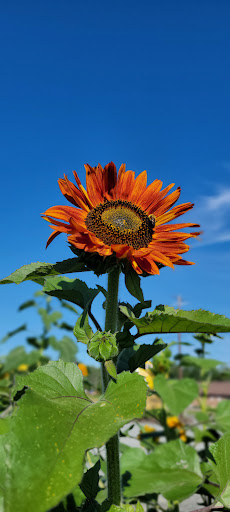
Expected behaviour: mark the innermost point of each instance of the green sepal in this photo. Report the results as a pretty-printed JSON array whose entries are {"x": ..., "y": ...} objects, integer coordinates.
[
  {"x": 111, "y": 369},
  {"x": 82, "y": 329}
]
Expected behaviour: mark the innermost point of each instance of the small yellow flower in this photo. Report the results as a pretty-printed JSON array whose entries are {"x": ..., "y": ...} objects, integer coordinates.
[
  {"x": 148, "y": 375},
  {"x": 83, "y": 369},
  {"x": 173, "y": 422},
  {"x": 183, "y": 437},
  {"x": 23, "y": 367},
  {"x": 149, "y": 429}
]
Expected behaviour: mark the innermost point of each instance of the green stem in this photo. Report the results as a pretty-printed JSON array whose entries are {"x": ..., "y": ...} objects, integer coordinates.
[{"x": 112, "y": 447}]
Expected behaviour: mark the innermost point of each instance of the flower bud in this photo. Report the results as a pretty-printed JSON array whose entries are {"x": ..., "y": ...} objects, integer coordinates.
[{"x": 102, "y": 346}]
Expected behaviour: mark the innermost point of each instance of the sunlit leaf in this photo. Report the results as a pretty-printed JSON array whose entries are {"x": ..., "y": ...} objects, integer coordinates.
[
  {"x": 220, "y": 451},
  {"x": 126, "y": 508},
  {"x": 82, "y": 330},
  {"x": 222, "y": 416},
  {"x": 54, "y": 424},
  {"x": 176, "y": 394},
  {"x": 166, "y": 319},
  {"x": 38, "y": 271}
]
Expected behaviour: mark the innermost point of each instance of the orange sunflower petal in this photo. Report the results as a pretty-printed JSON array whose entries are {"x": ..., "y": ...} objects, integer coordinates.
[
  {"x": 150, "y": 196},
  {"x": 126, "y": 184},
  {"x": 110, "y": 181},
  {"x": 83, "y": 191},
  {"x": 172, "y": 227},
  {"x": 73, "y": 194},
  {"x": 174, "y": 213},
  {"x": 166, "y": 203},
  {"x": 52, "y": 237},
  {"x": 139, "y": 187},
  {"x": 94, "y": 183}
]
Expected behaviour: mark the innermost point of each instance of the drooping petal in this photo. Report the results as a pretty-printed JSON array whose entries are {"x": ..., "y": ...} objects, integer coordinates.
[
  {"x": 73, "y": 194},
  {"x": 52, "y": 237}
]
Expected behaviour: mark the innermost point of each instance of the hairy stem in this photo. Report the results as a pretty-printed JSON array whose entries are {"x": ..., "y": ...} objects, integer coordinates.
[{"x": 112, "y": 447}]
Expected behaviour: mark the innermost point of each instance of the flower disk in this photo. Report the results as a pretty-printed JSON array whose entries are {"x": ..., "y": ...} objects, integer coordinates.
[
  {"x": 120, "y": 222},
  {"x": 120, "y": 215}
]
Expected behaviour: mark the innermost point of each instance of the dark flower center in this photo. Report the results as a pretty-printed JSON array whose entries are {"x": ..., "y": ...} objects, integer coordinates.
[{"x": 121, "y": 222}]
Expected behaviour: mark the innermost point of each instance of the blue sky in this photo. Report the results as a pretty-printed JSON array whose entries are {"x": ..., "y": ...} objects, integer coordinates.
[{"x": 146, "y": 83}]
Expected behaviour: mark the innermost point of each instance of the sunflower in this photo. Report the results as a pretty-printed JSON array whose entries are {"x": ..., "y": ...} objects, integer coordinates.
[{"x": 120, "y": 215}]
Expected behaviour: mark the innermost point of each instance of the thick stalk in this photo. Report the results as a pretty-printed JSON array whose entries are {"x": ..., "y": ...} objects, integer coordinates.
[{"x": 112, "y": 447}]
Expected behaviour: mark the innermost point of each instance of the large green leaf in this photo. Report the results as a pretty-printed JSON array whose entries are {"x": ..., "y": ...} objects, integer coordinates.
[
  {"x": 38, "y": 271},
  {"x": 73, "y": 290},
  {"x": 53, "y": 426},
  {"x": 173, "y": 470},
  {"x": 126, "y": 508},
  {"x": 221, "y": 453},
  {"x": 223, "y": 416},
  {"x": 176, "y": 394},
  {"x": 166, "y": 319}
]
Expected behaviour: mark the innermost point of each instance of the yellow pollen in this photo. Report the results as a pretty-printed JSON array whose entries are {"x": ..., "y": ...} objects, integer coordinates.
[
  {"x": 121, "y": 222},
  {"x": 121, "y": 218}
]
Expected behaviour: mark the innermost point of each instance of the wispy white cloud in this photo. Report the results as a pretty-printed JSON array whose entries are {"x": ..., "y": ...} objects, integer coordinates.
[
  {"x": 218, "y": 201},
  {"x": 213, "y": 213}
]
